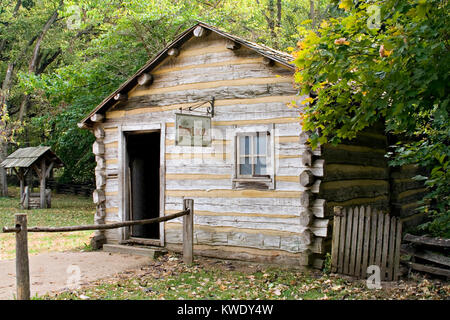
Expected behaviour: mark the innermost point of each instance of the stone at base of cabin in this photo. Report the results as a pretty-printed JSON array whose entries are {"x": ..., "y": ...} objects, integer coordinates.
[
  {"x": 146, "y": 251},
  {"x": 98, "y": 240}
]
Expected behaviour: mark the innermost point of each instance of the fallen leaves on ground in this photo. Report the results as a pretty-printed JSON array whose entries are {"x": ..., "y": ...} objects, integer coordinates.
[{"x": 169, "y": 278}]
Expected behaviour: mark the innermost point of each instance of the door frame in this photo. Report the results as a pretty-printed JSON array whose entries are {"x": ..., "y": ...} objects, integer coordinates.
[{"x": 124, "y": 204}]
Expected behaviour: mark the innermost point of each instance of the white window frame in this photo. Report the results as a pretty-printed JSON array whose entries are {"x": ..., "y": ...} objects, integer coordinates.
[
  {"x": 252, "y": 155},
  {"x": 269, "y": 178}
]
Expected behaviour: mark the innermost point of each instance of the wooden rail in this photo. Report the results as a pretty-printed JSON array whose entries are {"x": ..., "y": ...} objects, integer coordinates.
[
  {"x": 21, "y": 230},
  {"x": 426, "y": 254}
]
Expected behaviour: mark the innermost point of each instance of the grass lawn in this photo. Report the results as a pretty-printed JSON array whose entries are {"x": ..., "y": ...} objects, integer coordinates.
[
  {"x": 169, "y": 278},
  {"x": 66, "y": 210}
]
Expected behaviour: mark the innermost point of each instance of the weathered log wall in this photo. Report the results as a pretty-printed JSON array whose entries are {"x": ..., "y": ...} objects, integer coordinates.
[
  {"x": 270, "y": 225},
  {"x": 287, "y": 221},
  {"x": 406, "y": 194},
  {"x": 356, "y": 172}
]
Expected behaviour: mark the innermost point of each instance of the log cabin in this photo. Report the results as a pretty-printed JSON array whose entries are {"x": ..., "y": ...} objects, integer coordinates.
[{"x": 208, "y": 119}]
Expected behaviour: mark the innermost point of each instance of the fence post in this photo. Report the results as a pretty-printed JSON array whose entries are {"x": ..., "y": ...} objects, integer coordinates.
[
  {"x": 22, "y": 263},
  {"x": 188, "y": 231}
]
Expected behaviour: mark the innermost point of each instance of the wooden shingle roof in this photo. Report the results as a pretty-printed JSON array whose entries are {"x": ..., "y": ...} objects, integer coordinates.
[
  {"x": 25, "y": 157},
  {"x": 278, "y": 56}
]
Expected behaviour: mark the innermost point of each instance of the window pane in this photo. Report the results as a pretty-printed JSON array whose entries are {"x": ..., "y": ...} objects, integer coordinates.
[
  {"x": 244, "y": 145},
  {"x": 260, "y": 166},
  {"x": 245, "y": 167},
  {"x": 261, "y": 144}
]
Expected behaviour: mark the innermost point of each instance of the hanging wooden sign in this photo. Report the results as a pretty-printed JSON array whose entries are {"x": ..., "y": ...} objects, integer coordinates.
[{"x": 193, "y": 130}]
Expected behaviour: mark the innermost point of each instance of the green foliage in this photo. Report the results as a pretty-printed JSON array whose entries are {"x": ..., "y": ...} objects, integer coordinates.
[
  {"x": 100, "y": 44},
  {"x": 327, "y": 264},
  {"x": 391, "y": 67},
  {"x": 67, "y": 210}
]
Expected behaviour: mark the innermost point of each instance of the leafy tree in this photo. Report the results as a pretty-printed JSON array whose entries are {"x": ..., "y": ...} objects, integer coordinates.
[
  {"x": 385, "y": 61},
  {"x": 96, "y": 40}
]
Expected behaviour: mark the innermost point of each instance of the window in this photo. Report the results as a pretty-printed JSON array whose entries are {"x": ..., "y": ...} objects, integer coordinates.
[{"x": 252, "y": 155}]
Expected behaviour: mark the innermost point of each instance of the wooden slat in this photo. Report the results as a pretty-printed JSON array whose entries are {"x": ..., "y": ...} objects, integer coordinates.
[
  {"x": 384, "y": 255},
  {"x": 392, "y": 233},
  {"x": 348, "y": 240},
  {"x": 373, "y": 237},
  {"x": 366, "y": 242},
  {"x": 342, "y": 241},
  {"x": 379, "y": 239},
  {"x": 398, "y": 242},
  {"x": 335, "y": 244},
  {"x": 360, "y": 239},
  {"x": 353, "y": 246}
]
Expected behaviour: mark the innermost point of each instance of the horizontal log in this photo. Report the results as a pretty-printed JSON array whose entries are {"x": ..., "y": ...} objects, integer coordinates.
[
  {"x": 145, "y": 79},
  {"x": 100, "y": 227},
  {"x": 307, "y": 178},
  {"x": 97, "y": 117},
  {"x": 353, "y": 155},
  {"x": 335, "y": 172},
  {"x": 98, "y": 148},
  {"x": 218, "y": 56},
  {"x": 427, "y": 241},
  {"x": 408, "y": 196},
  {"x": 200, "y": 32},
  {"x": 232, "y": 45},
  {"x": 229, "y": 103},
  {"x": 99, "y": 132},
  {"x": 239, "y": 238},
  {"x": 306, "y": 158},
  {"x": 220, "y": 93},
  {"x": 268, "y": 61},
  {"x": 242, "y": 82},
  {"x": 406, "y": 210},
  {"x": 401, "y": 185},
  {"x": 373, "y": 141},
  {"x": 276, "y": 257},
  {"x": 173, "y": 52},
  {"x": 429, "y": 269},
  {"x": 407, "y": 171},
  {"x": 121, "y": 97},
  {"x": 338, "y": 191},
  {"x": 207, "y": 77},
  {"x": 233, "y": 193},
  {"x": 426, "y": 255}
]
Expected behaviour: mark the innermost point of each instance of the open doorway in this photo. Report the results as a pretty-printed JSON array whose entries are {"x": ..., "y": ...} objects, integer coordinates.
[{"x": 143, "y": 181}]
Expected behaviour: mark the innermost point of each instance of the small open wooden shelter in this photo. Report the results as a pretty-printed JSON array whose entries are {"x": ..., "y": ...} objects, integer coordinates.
[{"x": 40, "y": 159}]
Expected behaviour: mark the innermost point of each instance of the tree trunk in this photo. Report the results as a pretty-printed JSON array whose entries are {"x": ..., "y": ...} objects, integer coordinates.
[
  {"x": 312, "y": 14},
  {"x": 279, "y": 7},
  {"x": 3, "y": 180},
  {"x": 35, "y": 58}
]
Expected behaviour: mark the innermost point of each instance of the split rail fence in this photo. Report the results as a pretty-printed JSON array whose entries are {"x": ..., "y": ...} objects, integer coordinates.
[
  {"x": 21, "y": 230},
  {"x": 363, "y": 237}
]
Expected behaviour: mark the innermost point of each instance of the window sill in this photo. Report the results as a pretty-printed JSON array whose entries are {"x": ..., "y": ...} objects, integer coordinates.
[
  {"x": 263, "y": 183},
  {"x": 255, "y": 179}
]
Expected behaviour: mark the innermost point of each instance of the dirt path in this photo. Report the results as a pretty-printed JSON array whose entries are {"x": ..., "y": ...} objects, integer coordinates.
[{"x": 53, "y": 272}]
